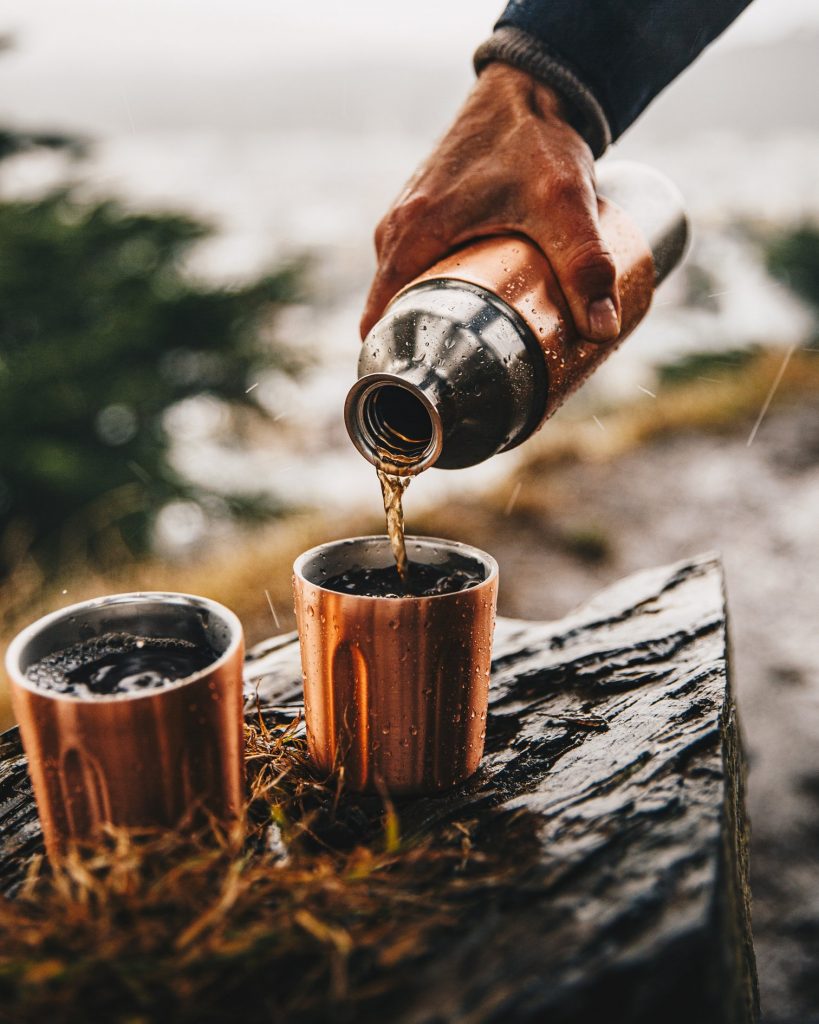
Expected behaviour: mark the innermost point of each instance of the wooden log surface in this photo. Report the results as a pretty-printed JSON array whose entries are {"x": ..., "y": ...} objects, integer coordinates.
[{"x": 613, "y": 764}]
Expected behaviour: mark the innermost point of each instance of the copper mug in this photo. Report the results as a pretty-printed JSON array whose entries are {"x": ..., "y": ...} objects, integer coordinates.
[
  {"x": 133, "y": 759},
  {"x": 395, "y": 689}
]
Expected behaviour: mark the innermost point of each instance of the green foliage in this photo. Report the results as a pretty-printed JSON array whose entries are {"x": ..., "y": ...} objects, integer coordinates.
[
  {"x": 101, "y": 332},
  {"x": 12, "y": 143},
  {"x": 588, "y": 544},
  {"x": 794, "y": 258},
  {"x": 694, "y": 365}
]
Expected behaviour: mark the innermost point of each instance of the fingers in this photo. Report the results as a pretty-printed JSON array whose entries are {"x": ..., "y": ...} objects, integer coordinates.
[
  {"x": 569, "y": 234},
  {"x": 407, "y": 242},
  {"x": 562, "y": 219},
  {"x": 508, "y": 164}
]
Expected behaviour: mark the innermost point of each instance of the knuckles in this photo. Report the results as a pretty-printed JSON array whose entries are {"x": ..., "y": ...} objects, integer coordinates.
[
  {"x": 566, "y": 191},
  {"x": 402, "y": 218},
  {"x": 592, "y": 251},
  {"x": 592, "y": 265}
]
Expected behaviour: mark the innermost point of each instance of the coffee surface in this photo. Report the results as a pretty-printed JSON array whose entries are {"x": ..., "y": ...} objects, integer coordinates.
[
  {"x": 421, "y": 580},
  {"x": 119, "y": 663}
]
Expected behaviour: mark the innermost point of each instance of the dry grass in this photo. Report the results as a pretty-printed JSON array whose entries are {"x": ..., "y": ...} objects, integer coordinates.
[
  {"x": 730, "y": 403},
  {"x": 317, "y": 910}
]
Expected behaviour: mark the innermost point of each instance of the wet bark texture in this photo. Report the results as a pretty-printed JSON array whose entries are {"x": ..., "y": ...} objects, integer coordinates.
[{"x": 614, "y": 767}]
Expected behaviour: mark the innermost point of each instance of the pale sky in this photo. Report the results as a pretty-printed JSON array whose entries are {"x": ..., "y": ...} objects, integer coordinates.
[
  {"x": 226, "y": 32},
  {"x": 94, "y": 66}
]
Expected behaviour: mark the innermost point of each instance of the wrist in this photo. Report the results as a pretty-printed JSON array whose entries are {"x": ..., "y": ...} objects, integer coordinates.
[
  {"x": 543, "y": 99},
  {"x": 576, "y": 103}
]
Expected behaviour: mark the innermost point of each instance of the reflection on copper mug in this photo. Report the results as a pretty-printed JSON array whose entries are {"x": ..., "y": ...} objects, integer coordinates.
[
  {"x": 395, "y": 689},
  {"x": 133, "y": 759}
]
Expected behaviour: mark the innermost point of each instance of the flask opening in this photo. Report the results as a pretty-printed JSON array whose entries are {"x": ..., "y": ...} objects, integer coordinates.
[
  {"x": 398, "y": 422},
  {"x": 393, "y": 424}
]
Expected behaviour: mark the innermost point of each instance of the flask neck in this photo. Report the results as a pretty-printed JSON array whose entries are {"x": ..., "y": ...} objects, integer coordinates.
[{"x": 449, "y": 377}]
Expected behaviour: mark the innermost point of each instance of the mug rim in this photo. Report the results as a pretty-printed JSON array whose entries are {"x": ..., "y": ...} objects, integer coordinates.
[
  {"x": 18, "y": 678},
  {"x": 468, "y": 550}
]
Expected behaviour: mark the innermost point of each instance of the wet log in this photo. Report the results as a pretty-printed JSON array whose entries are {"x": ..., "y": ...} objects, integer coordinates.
[
  {"x": 614, "y": 732},
  {"x": 613, "y": 756}
]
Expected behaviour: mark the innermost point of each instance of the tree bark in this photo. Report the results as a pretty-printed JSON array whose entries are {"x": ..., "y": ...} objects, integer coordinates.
[{"x": 613, "y": 736}]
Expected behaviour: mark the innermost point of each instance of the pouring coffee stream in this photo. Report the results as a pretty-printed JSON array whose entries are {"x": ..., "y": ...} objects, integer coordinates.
[
  {"x": 474, "y": 355},
  {"x": 392, "y": 491}
]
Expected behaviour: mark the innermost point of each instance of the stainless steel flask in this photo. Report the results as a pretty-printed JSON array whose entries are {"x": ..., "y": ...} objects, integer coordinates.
[{"x": 478, "y": 352}]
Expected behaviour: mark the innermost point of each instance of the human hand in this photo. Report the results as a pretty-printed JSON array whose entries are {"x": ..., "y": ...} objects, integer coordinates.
[{"x": 510, "y": 163}]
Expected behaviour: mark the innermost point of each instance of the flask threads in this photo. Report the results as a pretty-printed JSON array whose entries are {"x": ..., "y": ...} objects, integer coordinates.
[{"x": 393, "y": 424}]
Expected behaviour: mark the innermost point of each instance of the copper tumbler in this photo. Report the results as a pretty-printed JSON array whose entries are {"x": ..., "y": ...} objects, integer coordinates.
[
  {"x": 395, "y": 689},
  {"x": 156, "y": 757}
]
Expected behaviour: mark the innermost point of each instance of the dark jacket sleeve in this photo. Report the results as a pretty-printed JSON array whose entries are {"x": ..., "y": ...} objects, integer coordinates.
[{"x": 608, "y": 58}]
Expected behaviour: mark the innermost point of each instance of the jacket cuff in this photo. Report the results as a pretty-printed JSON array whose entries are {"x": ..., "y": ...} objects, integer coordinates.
[{"x": 516, "y": 47}]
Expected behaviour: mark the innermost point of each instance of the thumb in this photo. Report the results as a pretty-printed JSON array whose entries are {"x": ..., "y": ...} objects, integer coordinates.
[{"x": 582, "y": 262}]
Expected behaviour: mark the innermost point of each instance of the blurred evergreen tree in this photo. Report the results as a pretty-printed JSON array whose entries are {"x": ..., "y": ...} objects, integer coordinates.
[
  {"x": 793, "y": 257},
  {"x": 101, "y": 332}
]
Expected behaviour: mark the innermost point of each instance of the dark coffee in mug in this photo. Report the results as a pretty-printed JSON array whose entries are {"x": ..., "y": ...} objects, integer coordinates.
[
  {"x": 119, "y": 663},
  {"x": 421, "y": 580}
]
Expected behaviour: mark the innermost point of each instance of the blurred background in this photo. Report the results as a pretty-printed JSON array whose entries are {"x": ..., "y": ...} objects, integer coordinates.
[{"x": 187, "y": 199}]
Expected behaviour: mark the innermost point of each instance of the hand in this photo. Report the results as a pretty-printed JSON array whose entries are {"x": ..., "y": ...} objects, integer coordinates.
[{"x": 510, "y": 163}]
